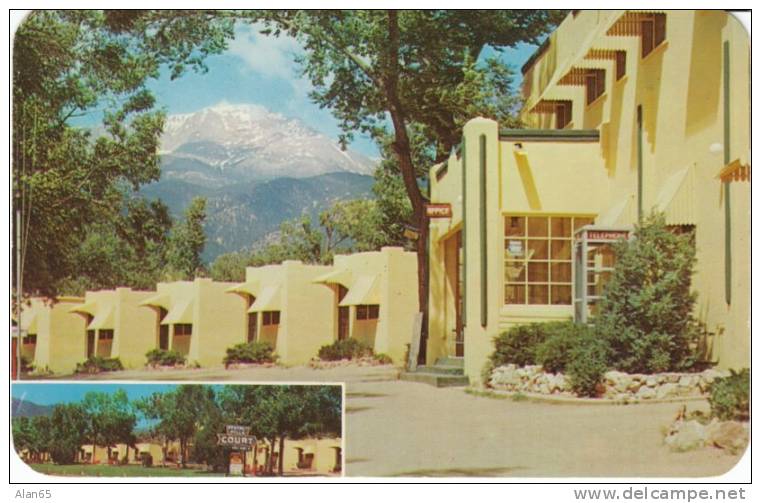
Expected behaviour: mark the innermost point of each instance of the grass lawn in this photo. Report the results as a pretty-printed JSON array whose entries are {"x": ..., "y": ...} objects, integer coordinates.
[{"x": 82, "y": 470}]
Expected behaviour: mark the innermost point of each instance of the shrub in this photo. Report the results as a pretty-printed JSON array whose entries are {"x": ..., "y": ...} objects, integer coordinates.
[
  {"x": 164, "y": 357},
  {"x": 345, "y": 349},
  {"x": 730, "y": 396},
  {"x": 645, "y": 312},
  {"x": 554, "y": 353},
  {"x": 251, "y": 352},
  {"x": 383, "y": 359},
  {"x": 587, "y": 364},
  {"x": 518, "y": 345},
  {"x": 96, "y": 364}
]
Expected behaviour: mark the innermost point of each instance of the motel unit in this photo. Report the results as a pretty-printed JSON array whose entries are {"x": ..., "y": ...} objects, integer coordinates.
[
  {"x": 54, "y": 337},
  {"x": 628, "y": 112},
  {"x": 116, "y": 326},
  {"x": 374, "y": 299},
  {"x": 195, "y": 318}
]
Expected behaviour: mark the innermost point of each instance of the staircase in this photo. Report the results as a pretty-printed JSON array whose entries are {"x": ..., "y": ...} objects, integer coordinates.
[{"x": 446, "y": 372}]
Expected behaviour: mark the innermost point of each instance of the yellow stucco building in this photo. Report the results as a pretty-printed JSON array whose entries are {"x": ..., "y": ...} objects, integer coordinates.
[
  {"x": 54, "y": 340},
  {"x": 283, "y": 306},
  {"x": 628, "y": 112},
  {"x": 307, "y": 456},
  {"x": 116, "y": 326},
  {"x": 374, "y": 299},
  {"x": 196, "y": 319}
]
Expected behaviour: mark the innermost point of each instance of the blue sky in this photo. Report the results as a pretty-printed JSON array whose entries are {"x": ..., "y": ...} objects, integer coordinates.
[
  {"x": 260, "y": 69},
  {"x": 53, "y": 393}
]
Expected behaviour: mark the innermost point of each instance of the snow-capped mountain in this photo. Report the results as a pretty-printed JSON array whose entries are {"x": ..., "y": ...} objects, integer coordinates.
[{"x": 226, "y": 144}]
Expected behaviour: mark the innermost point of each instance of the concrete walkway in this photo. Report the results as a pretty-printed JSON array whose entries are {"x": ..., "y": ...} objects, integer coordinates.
[{"x": 397, "y": 428}]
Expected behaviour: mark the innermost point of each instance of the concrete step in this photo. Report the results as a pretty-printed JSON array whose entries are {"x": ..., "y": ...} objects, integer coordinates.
[
  {"x": 438, "y": 380},
  {"x": 453, "y": 361},
  {"x": 441, "y": 369}
]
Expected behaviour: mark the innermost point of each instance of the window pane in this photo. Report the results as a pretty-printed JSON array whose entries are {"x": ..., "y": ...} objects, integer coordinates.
[
  {"x": 561, "y": 295},
  {"x": 561, "y": 227},
  {"x": 538, "y": 294},
  {"x": 561, "y": 272},
  {"x": 515, "y": 294},
  {"x": 561, "y": 249},
  {"x": 538, "y": 272},
  {"x": 537, "y": 227},
  {"x": 515, "y": 226},
  {"x": 537, "y": 249},
  {"x": 373, "y": 312},
  {"x": 515, "y": 248},
  {"x": 515, "y": 272}
]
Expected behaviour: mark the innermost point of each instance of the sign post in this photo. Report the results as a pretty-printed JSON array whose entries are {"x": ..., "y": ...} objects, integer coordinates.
[{"x": 237, "y": 438}]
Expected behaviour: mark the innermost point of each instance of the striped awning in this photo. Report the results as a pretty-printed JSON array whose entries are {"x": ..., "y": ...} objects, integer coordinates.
[
  {"x": 104, "y": 319},
  {"x": 630, "y": 24},
  {"x": 248, "y": 288},
  {"x": 735, "y": 171},
  {"x": 366, "y": 290},
  {"x": 340, "y": 276},
  {"x": 619, "y": 213},
  {"x": 268, "y": 300},
  {"x": 677, "y": 198},
  {"x": 181, "y": 312}
]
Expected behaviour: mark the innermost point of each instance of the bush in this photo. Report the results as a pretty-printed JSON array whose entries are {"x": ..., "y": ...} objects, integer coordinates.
[
  {"x": 645, "y": 312},
  {"x": 96, "y": 364},
  {"x": 587, "y": 364},
  {"x": 554, "y": 354},
  {"x": 164, "y": 357},
  {"x": 346, "y": 349},
  {"x": 730, "y": 396},
  {"x": 383, "y": 359},
  {"x": 518, "y": 345},
  {"x": 251, "y": 352}
]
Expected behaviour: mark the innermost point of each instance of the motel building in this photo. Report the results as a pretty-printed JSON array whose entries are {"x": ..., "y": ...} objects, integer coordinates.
[
  {"x": 131, "y": 454},
  {"x": 628, "y": 112},
  {"x": 51, "y": 335},
  {"x": 283, "y": 306},
  {"x": 116, "y": 326},
  {"x": 308, "y": 456},
  {"x": 374, "y": 299},
  {"x": 194, "y": 318}
]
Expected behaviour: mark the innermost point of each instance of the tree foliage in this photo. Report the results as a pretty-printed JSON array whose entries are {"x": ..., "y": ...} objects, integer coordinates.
[{"x": 186, "y": 242}]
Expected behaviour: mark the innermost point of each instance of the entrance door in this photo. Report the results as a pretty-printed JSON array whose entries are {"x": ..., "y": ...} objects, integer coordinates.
[
  {"x": 453, "y": 257},
  {"x": 90, "y": 343},
  {"x": 343, "y": 315}
]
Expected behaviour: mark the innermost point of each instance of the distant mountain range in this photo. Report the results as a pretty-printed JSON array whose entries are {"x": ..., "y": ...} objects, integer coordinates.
[
  {"x": 256, "y": 168},
  {"x": 25, "y": 408}
]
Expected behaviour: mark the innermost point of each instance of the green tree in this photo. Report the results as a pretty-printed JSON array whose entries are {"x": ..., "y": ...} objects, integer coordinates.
[
  {"x": 68, "y": 431},
  {"x": 417, "y": 69},
  {"x": 230, "y": 266},
  {"x": 646, "y": 308},
  {"x": 186, "y": 242},
  {"x": 76, "y": 63},
  {"x": 110, "y": 419}
]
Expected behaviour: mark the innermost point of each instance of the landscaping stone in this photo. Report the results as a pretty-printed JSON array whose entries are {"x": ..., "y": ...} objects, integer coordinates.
[{"x": 686, "y": 435}]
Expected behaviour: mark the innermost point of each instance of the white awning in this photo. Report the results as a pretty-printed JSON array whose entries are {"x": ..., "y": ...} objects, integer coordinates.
[
  {"x": 268, "y": 300},
  {"x": 161, "y": 300},
  {"x": 104, "y": 319},
  {"x": 181, "y": 312},
  {"x": 90, "y": 308},
  {"x": 247, "y": 288},
  {"x": 340, "y": 276},
  {"x": 677, "y": 198},
  {"x": 617, "y": 214},
  {"x": 365, "y": 290}
]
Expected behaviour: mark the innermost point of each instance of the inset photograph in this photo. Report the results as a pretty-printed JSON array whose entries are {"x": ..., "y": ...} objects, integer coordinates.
[{"x": 179, "y": 430}]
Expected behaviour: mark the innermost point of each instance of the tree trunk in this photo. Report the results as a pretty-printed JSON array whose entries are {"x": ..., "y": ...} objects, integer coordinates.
[{"x": 280, "y": 456}]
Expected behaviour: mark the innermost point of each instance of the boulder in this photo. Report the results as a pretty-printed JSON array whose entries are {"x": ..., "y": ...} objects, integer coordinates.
[
  {"x": 646, "y": 393},
  {"x": 666, "y": 390},
  {"x": 686, "y": 435},
  {"x": 729, "y": 435}
]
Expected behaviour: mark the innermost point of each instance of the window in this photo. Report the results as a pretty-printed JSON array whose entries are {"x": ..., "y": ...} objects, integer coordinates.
[
  {"x": 653, "y": 29},
  {"x": 563, "y": 114},
  {"x": 183, "y": 329},
  {"x": 252, "y": 322},
  {"x": 105, "y": 335},
  {"x": 538, "y": 259},
  {"x": 30, "y": 339},
  {"x": 164, "y": 337},
  {"x": 368, "y": 312},
  {"x": 620, "y": 64},
  {"x": 270, "y": 318},
  {"x": 595, "y": 83}
]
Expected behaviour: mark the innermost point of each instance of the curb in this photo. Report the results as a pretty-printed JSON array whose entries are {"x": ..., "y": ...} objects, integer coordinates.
[{"x": 567, "y": 400}]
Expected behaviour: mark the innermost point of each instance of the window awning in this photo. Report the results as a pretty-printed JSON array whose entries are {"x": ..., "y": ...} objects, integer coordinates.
[
  {"x": 340, "y": 276},
  {"x": 161, "y": 300},
  {"x": 31, "y": 324},
  {"x": 104, "y": 319},
  {"x": 677, "y": 198},
  {"x": 247, "y": 288},
  {"x": 181, "y": 312},
  {"x": 617, "y": 214},
  {"x": 365, "y": 290},
  {"x": 737, "y": 171},
  {"x": 268, "y": 300},
  {"x": 90, "y": 308}
]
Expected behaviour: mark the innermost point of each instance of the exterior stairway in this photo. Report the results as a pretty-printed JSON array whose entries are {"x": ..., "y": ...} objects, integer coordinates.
[{"x": 446, "y": 372}]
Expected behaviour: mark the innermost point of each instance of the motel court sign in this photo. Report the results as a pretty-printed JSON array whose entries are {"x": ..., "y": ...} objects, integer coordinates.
[{"x": 236, "y": 437}]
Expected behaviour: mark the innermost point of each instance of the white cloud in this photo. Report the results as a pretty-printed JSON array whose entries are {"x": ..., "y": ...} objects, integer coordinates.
[{"x": 267, "y": 55}]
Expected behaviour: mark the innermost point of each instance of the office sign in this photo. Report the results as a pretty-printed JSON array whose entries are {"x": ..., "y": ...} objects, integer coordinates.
[{"x": 438, "y": 210}]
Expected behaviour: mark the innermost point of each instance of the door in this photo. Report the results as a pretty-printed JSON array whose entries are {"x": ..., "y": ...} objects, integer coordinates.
[
  {"x": 343, "y": 315},
  {"x": 90, "y": 343}
]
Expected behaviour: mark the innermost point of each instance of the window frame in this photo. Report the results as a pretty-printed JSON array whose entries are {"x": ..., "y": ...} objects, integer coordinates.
[
  {"x": 270, "y": 318},
  {"x": 594, "y": 82},
  {"x": 563, "y": 114},
  {"x": 186, "y": 329},
  {"x": 367, "y": 312},
  {"x": 655, "y": 26}
]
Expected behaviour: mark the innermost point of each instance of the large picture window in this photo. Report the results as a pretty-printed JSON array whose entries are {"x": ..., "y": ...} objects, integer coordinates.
[{"x": 538, "y": 258}]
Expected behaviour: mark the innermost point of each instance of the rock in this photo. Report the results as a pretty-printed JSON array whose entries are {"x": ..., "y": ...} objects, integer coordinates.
[
  {"x": 646, "y": 393},
  {"x": 666, "y": 390},
  {"x": 686, "y": 380},
  {"x": 651, "y": 381},
  {"x": 729, "y": 435},
  {"x": 686, "y": 436}
]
